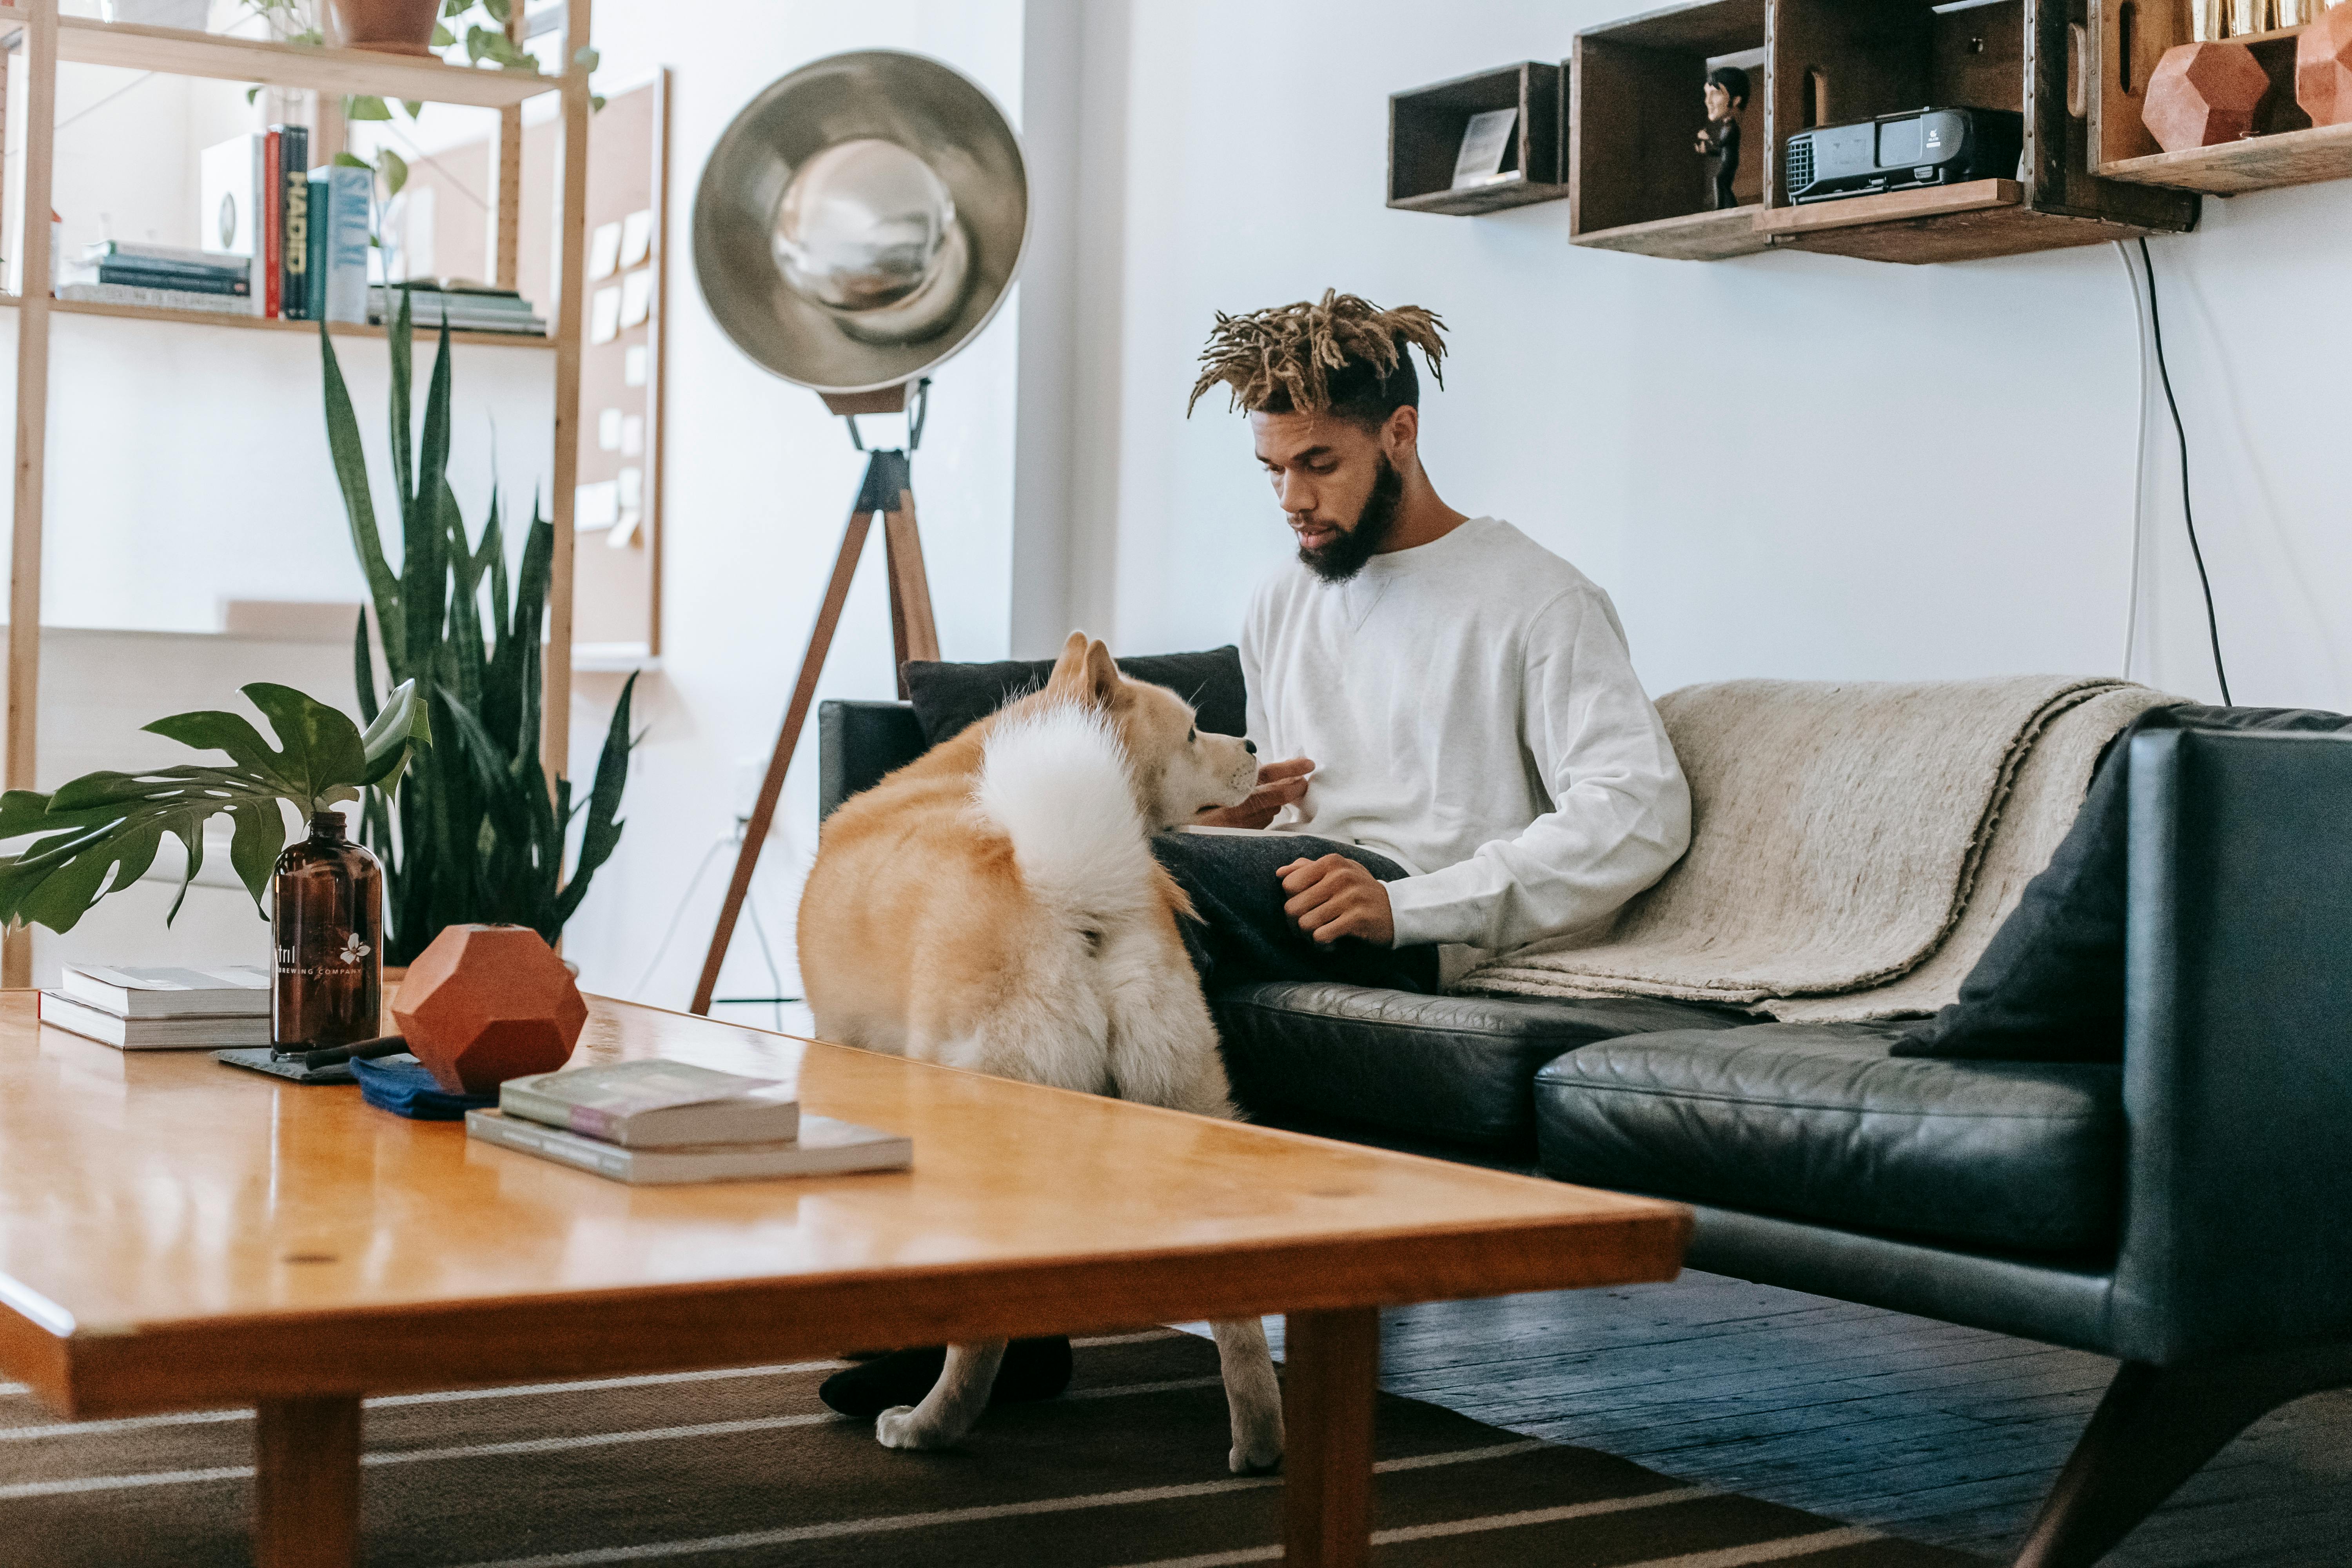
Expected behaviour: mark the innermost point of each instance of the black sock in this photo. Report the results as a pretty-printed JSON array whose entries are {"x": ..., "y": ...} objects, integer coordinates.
[{"x": 1032, "y": 1369}]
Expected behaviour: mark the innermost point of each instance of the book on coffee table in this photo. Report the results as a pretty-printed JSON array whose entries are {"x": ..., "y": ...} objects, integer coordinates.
[
  {"x": 61, "y": 1011},
  {"x": 824, "y": 1148},
  {"x": 240, "y": 990},
  {"x": 655, "y": 1103}
]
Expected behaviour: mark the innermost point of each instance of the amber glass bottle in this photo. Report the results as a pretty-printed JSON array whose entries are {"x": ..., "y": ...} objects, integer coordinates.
[{"x": 325, "y": 920}]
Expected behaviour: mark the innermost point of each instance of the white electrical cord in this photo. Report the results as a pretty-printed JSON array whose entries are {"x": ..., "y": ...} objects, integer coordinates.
[{"x": 2139, "y": 459}]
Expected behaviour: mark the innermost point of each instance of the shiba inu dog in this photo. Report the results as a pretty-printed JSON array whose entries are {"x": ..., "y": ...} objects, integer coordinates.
[{"x": 995, "y": 905}]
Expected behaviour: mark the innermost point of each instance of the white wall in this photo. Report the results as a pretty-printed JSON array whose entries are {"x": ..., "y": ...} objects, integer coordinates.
[{"x": 1785, "y": 465}]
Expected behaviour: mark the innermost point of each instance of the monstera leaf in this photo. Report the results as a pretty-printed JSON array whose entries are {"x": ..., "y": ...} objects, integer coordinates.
[{"x": 99, "y": 833}]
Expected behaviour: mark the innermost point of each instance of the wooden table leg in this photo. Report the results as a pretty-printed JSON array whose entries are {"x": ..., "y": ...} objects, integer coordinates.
[
  {"x": 306, "y": 1489},
  {"x": 1331, "y": 1364}
]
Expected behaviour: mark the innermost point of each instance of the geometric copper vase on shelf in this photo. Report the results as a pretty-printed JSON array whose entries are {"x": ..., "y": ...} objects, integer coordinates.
[
  {"x": 2202, "y": 95},
  {"x": 2323, "y": 68},
  {"x": 485, "y": 1003}
]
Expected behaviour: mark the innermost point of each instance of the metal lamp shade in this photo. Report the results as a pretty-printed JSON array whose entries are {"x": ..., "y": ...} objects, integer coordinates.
[{"x": 861, "y": 220}]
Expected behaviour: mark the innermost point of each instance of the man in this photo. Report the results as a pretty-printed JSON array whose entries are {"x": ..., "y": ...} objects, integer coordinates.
[{"x": 1470, "y": 760}]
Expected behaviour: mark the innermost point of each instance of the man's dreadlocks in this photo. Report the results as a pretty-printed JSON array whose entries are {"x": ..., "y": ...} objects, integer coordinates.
[{"x": 1345, "y": 355}]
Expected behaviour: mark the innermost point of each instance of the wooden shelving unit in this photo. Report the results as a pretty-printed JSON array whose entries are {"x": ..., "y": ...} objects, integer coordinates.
[
  {"x": 1425, "y": 127},
  {"x": 273, "y": 324},
  {"x": 45, "y": 39},
  {"x": 2127, "y": 38},
  {"x": 1636, "y": 184}
]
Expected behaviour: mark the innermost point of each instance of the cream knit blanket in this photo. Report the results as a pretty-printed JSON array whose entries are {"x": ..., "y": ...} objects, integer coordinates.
[{"x": 1854, "y": 846}]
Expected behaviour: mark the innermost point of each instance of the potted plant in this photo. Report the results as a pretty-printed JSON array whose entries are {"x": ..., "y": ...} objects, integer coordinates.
[
  {"x": 475, "y": 834},
  {"x": 99, "y": 833}
]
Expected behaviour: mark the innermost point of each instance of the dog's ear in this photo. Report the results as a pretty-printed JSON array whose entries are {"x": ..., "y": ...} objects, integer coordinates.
[
  {"x": 1070, "y": 669},
  {"x": 1101, "y": 676}
]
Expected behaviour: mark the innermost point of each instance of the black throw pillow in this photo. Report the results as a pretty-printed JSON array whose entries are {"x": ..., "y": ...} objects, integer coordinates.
[
  {"x": 950, "y": 697},
  {"x": 2050, "y": 986}
]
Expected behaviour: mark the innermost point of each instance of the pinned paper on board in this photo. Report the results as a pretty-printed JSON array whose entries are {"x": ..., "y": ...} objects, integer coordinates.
[
  {"x": 637, "y": 297},
  {"x": 604, "y": 316},
  {"x": 636, "y": 236},
  {"x": 610, "y": 430},
  {"x": 604, "y": 250},
  {"x": 596, "y": 506},
  {"x": 633, "y": 436},
  {"x": 632, "y": 489},
  {"x": 625, "y": 530},
  {"x": 633, "y": 365}
]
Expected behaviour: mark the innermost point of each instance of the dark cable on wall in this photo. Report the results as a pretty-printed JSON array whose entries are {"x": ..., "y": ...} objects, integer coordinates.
[{"x": 2188, "y": 512}]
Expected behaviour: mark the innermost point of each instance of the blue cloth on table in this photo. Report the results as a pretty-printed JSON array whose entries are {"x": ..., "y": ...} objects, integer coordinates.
[{"x": 404, "y": 1086}]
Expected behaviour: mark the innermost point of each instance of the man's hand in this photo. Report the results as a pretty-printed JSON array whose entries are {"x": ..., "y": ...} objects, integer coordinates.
[
  {"x": 1278, "y": 784},
  {"x": 1335, "y": 897}
]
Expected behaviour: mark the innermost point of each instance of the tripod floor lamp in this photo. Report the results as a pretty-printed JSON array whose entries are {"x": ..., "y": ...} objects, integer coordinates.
[{"x": 858, "y": 223}]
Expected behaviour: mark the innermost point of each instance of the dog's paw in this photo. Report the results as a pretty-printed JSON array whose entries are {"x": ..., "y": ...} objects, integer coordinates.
[
  {"x": 1261, "y": 1455},
  {"x": 897, "y": 1428}
]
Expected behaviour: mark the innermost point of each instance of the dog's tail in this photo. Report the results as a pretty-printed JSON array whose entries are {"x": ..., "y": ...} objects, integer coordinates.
[{"x": 1055, "y": 780}]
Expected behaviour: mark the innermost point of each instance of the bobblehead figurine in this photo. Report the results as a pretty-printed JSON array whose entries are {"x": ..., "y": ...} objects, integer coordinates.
[{"x": 1718, "y": 139}]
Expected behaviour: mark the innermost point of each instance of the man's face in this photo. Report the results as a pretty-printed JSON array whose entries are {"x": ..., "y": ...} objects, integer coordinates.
[
  {"x": 1335, "y": 483},
  {"x": 1718, "y": 101}
]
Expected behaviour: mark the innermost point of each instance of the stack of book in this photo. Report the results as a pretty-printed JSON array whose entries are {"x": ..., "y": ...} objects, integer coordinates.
[
  {"x": 126, "y": 272},
  {"x": 657, "y": 1122},
  {"x": 162, "y": 1009},
  {"x": 469, "y": 307}
]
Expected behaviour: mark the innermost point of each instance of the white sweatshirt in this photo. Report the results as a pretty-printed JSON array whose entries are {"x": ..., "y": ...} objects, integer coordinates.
[{"x": 1473, "y": 715}]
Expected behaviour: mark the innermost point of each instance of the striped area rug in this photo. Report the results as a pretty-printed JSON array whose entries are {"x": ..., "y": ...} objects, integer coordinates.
[{"x": 727, "y": 1469}]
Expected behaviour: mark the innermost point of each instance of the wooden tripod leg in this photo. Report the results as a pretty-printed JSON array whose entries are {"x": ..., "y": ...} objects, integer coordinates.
[
  {"x": 763, "y": 811},
  {"x": 912, "y": 629},
  {"x": 306, "y": 1492}
]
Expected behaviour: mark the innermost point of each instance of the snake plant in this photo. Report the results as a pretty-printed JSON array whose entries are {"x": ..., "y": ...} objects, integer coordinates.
[{"x": 474, "y": 834}]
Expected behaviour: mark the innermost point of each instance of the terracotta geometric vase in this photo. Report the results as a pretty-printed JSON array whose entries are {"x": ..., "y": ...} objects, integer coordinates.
[
  {"x": 2201, "y": 95},
  {"x": 2323, "y": 68},
  {"x": 485, "y": 1003}
]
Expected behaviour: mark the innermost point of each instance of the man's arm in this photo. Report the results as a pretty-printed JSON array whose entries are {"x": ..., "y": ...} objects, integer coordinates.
[{"x": 1622, "y": 810}]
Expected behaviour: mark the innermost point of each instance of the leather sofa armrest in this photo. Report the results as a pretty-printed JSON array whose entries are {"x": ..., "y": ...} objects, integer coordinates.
[
  {"x": 857, "y": 744},
  {"x": 2238, "y": 1045}
]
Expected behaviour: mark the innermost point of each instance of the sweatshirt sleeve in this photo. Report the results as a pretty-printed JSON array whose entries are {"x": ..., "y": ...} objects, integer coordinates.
[{"x": 1621, "y": 810}]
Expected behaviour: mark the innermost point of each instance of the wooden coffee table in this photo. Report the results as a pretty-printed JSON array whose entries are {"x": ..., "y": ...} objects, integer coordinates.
[{"x": 176, "y": 1235}]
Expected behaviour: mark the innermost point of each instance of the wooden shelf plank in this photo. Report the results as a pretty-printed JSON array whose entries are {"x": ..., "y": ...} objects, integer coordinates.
[
  {"x": 1472, "y": 200},
  {"x": 272, "y": 324},
  {"x": 2255, "y": 164},
  {"x": 1694, "y": 236},
  {"x": 174, "y": 52},
  {"x": 1889, "y": 207}
]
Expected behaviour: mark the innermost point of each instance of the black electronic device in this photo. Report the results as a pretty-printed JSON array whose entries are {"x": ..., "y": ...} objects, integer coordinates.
[{"x": 1902, "y": 152}]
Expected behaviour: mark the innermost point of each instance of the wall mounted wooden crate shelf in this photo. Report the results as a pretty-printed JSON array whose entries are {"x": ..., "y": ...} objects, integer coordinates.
[
  {"x": 1425, "y": 127},
  {"x": 1636, "y": 180},
  {"x": 2128, "y": 37}
]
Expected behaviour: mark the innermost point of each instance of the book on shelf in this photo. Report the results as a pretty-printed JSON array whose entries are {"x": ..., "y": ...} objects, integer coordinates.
[
  {"x": 142, "y": 275},
  {"x": 269, "y": 233},
  {"x": 343, "y": 216},
  {"x": 657, "y": 1104},
  {"x": 824, "y": 1148},
  {"x": 153, "y": 1034},
  {"x": 290, "y": 217},
  {"x": 158, "y": 299},
  {"x": 228, "y": 213},
  {"x": 470, "y": 309},
  {"x": 240, "y": 990},
  {"x": 164, "y": 258}
]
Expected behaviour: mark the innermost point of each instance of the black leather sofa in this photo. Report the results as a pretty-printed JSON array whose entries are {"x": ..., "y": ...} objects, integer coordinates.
[{"x": 2188, "y": 1212}]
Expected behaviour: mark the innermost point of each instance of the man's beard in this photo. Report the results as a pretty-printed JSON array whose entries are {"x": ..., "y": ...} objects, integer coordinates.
[{"x": 1345, "y": 556}]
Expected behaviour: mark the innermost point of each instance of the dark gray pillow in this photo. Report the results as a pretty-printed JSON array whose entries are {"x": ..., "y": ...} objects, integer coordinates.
[
  {"x": 950, "y": 697},
  {"x": 2050, "y": 986}
]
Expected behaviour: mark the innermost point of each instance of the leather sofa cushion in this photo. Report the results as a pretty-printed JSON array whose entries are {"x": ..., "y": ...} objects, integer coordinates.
[
  {"x": 2050, "y": 984},
  {"x": 1819, "y": 1122},
  {"x": 1455, "y": 1069}
]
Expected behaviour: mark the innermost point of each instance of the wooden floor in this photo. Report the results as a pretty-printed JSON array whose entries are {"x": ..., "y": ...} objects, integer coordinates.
[{"x": 1936, "y": 1433}]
